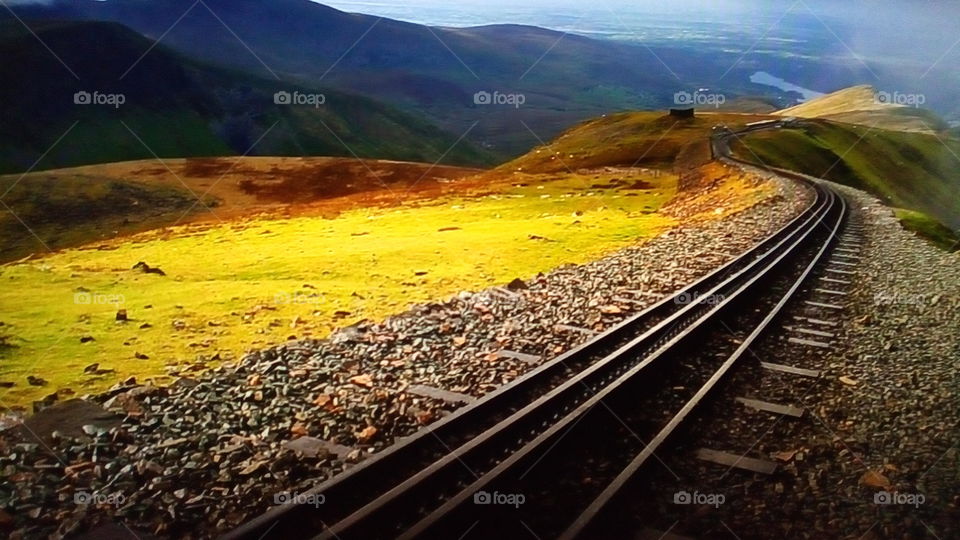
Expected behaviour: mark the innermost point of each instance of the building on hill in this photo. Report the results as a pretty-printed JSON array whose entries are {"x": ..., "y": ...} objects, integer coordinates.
[{"x": 683, "y": 113}]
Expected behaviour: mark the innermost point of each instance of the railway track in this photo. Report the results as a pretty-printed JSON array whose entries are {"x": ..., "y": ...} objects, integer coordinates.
[{"x": 519, "y": 441}]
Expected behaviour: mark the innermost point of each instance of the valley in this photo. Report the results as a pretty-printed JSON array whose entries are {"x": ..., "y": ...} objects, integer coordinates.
[{"x": 282, "y": 269}]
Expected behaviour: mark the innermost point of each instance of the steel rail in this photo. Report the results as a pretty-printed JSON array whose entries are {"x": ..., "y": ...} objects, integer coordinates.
[{"x": 546, "y": 439}]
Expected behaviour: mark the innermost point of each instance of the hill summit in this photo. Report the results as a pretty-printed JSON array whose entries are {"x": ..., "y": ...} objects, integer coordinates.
[{"x": 869, "y": 106}]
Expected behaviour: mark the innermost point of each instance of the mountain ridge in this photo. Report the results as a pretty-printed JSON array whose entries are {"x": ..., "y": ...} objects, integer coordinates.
[
  {"x": 212, "y": 111},
  {"x": 864, "y": 104}
]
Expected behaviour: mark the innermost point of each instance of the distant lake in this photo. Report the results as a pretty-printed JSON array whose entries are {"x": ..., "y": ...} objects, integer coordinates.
[{"x": 766, "y": 79}]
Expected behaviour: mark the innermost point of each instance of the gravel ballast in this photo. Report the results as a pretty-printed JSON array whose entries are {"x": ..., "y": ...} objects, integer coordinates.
[
  {"x": 200, "y": 457},
  {"x": 875, "y": 454}
]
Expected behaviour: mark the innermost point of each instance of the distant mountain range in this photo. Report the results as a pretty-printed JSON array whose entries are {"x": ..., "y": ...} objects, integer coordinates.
[
  {"x": 173, "y": 106},
  {"x": 498, "y": 89},
  {"x": 436, "y": 72}
]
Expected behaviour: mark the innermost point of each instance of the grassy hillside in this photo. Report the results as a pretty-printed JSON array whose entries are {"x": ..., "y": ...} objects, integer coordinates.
[
  {"x": 69, "y": 207},
  {"x": 929, "y": 228},
  {"x": 649, "y": 138},
  {"x": 176, "y": 107},
  {"x": 914, "y": 171},
  {"x": 257, "y": 281},
  {"x": 296, "y": 256},
  {"x": 864, "y": 105}
]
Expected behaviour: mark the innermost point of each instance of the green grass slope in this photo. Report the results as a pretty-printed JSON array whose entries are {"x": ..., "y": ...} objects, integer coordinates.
[
  {"x": 48, "y": 213},
  {"x": 175, "y": 107},
  {"x": 866, "y": 106},
  {"x": 929, "y": 228},
  {"x": 914, "y": 171},
  {"x": 648, "y": 139}
]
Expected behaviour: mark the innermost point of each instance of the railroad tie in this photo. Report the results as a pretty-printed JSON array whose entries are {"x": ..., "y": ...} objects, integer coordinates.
[
  {"x": 831, "y": 292},
  {"x": 523, "y": 357},
  {"x": 824, "y": 306},
  {"x": 439, "y": 393},
  {"x": 837, "y": 281},
  {"x": 577, "y": 329},
  {"x": 739, "y": 462},
  {"x": 809, "y": 343},
  {"x": 801, "y": 372},
  {"x": 842, "y": 263},
  {"x": 775, "y": 408},
  {"x": 818, "y": 333},
  {"x": 816, "y": 321},
  {"x": 841, "y": 272},
  {"x": 312, "y": 447}
]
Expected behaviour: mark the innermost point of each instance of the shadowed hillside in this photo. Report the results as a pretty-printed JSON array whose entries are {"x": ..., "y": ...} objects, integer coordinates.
[
  {"x": 565, "y": 78},
  {"x": 174, "y": 107}
]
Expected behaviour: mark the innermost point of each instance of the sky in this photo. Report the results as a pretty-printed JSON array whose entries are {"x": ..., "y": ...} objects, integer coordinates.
[{"x": 924, "y": 31}]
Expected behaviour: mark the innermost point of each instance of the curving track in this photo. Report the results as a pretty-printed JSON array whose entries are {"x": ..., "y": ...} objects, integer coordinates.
[{"x": 579, "y": 422}]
